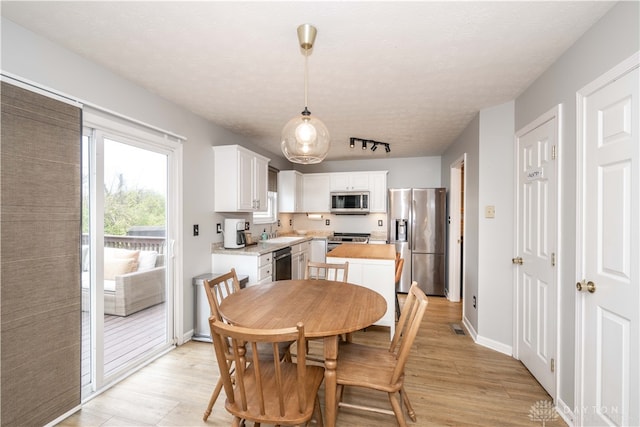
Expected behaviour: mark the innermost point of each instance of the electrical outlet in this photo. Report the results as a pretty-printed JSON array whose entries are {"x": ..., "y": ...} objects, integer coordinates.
[
  {"x": 218, "y": 228},
  {"x": 489, "y": 211},
  {"x": 379, "y": 223},
  {"x": 290, "y": 222},
  {"x": 278, "y": 223},
  {"x": 246, "y": 225},
  {"x": 327, "y": 222},
  {"x": 196, "y": 230}
]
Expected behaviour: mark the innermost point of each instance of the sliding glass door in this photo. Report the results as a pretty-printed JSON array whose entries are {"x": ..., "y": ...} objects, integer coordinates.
[{"x": 127, "y": 266}]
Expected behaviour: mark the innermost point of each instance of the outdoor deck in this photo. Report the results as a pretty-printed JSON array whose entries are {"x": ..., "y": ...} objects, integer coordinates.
[{"x": 125, "y": 338}]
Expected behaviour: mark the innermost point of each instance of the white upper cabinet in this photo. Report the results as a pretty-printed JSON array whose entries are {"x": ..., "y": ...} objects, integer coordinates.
[
  {"x": 241, "y": 178},
  {"x": 316, "y": 192},
  {"x": 378, "y": 192},
  {"x": 350, "y": 181},
  {"x": 318, "y": 188},
  {"x": 290, "y": 191}
]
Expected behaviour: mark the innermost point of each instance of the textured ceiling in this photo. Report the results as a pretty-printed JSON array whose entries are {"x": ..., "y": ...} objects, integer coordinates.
[{"x": 412, "y": 74}]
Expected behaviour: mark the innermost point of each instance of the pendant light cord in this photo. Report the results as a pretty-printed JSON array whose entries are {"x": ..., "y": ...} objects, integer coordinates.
[{"x": 306, "y": 78}]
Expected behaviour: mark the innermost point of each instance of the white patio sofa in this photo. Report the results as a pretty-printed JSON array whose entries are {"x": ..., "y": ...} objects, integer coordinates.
[{"x": 134, "y": 280}]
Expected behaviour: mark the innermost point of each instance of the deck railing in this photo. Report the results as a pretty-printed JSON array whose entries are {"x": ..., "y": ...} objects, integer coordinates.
[{"x": 136, "y": 243}]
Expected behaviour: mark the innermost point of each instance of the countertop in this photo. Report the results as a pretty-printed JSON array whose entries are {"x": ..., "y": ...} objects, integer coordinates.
[
  {"x": 262, "y": 247},
  {"x": 354, "y": 250}
]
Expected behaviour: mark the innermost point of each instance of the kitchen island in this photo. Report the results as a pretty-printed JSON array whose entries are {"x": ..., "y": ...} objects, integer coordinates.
[{"x": 371, "y": 266}]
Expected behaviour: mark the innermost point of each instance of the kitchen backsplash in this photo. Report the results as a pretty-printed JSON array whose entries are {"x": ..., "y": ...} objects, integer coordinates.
[
  {"x": 340, "y": 223},
  {"x": 289, "y": 223}
]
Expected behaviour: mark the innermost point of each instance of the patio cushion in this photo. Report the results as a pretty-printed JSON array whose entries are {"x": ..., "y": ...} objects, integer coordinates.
[
  {"x": 147, "y": 260},
  {"x": 116, "y": 266}
]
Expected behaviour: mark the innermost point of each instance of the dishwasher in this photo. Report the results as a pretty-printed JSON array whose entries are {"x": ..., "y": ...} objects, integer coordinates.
[{"x": 282, "y": 264}]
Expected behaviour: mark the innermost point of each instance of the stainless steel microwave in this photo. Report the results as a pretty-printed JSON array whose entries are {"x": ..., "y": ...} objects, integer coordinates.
[{"x": 352, "y": 202}]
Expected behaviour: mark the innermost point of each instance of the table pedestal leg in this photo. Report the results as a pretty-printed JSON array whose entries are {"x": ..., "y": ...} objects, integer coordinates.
[{"x": 330, "y": 381}]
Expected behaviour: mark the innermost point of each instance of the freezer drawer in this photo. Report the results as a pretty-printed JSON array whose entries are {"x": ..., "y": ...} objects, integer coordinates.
[{"x": 428, "y": 270}]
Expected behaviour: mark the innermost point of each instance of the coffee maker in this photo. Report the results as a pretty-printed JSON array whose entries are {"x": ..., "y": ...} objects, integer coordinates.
[{"x": 234, "y": 236}]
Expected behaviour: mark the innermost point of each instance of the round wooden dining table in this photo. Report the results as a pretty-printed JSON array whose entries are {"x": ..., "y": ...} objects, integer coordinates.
[{"x": 326, "y": 308}]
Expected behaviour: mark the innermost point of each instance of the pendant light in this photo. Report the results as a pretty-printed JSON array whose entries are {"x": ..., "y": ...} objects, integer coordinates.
[{"x": 305, "y": 139}]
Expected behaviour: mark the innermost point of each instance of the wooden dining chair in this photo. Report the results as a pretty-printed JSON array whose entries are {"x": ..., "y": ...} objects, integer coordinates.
[
  {"x": 267, "y": 390},
  {"x": 327, "y": 271},
  {"x": 399, "y": 266},
  {"x": 217, "y": 289},
  {"x": 383, "y": 369}
]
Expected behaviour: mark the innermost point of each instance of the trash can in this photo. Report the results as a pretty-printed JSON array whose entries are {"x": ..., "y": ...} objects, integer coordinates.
[{"x": 202, "y": 311}]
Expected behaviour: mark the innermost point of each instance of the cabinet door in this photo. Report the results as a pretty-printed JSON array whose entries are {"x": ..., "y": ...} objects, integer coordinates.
[
  {"x": 350, "y": 181},
  {"x": 246, "y": 199},
  {"x": 316, "y": 192},
  {"x": 359, "y": 181},
  {"x": 340, "y": 182},
  {"x": 260, "y": 183},
  {"x": 290, "y": 191},
  {"x": 295, "y": 267},
  {"x": 299, "y": 193},
  {"x": 378, "y": 192}
]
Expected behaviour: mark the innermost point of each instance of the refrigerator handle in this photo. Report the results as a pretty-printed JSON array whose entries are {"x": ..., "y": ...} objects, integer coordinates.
[{"x": 410, "y": 227}]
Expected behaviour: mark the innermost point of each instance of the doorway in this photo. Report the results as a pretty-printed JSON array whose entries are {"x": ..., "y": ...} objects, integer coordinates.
[
  {"x": 455, "y": 290},
  {"x": 127, "y": 260}
]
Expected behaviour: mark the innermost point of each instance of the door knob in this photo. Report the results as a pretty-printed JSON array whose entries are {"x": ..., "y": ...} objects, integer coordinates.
[
  {"x": 590, "y": 286},
  {"x": 517, "y": 260}
]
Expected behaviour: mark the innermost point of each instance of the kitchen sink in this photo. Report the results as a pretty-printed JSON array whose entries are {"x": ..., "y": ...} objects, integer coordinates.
[{"x": 284, "y": 239}]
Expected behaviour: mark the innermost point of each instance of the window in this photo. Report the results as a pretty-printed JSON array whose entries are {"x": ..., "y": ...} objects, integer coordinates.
[{"x": 270, "y": 216}]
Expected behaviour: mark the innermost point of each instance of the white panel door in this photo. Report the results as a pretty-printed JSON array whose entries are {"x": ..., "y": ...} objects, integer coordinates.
[
  {"x": 609, "y": 257},
  {"x": 536, "y": 246}
]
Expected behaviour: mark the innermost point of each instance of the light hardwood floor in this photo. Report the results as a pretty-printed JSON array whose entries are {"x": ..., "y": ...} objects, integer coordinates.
[{"x": 451, "y": 382}]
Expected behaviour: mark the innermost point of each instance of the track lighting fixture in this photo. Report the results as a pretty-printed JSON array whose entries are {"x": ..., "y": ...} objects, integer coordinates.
[{"x": 374, "y": 144}]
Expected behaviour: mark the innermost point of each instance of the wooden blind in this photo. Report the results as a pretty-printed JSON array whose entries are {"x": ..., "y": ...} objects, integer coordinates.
[{"x": 39, "y": 257}]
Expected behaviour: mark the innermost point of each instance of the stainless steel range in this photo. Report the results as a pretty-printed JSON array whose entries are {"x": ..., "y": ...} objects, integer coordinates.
[{"x": 339, "y": 238}]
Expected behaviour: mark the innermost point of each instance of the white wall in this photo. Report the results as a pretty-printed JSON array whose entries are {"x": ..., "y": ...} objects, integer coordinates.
[
  {"x": 611, "y": 40},
  {"x": 34, "y": 58},
  {"x": 496, "y": 235}
]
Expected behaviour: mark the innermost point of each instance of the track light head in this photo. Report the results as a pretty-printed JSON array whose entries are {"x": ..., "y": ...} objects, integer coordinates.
[
  {"x": 364, "y": 144},
  {"x": 352, "y": 142},
  {"x": 374, "y": 146},
  {"x": 387, "y": 149}
]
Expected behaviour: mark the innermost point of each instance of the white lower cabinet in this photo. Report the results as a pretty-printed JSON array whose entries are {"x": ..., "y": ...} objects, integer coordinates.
[
  {"x": 377, "y": 275},
  {"x": 299, "y": 257},
  {"x": 258, "y": 268}
]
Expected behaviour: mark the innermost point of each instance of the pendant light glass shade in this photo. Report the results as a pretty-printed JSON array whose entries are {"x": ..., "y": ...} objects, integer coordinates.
[{"x": 305, "y": 139}]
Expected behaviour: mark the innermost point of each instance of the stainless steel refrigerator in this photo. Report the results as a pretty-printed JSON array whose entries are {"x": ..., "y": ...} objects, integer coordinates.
[{"x": 417, "y": 218}]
